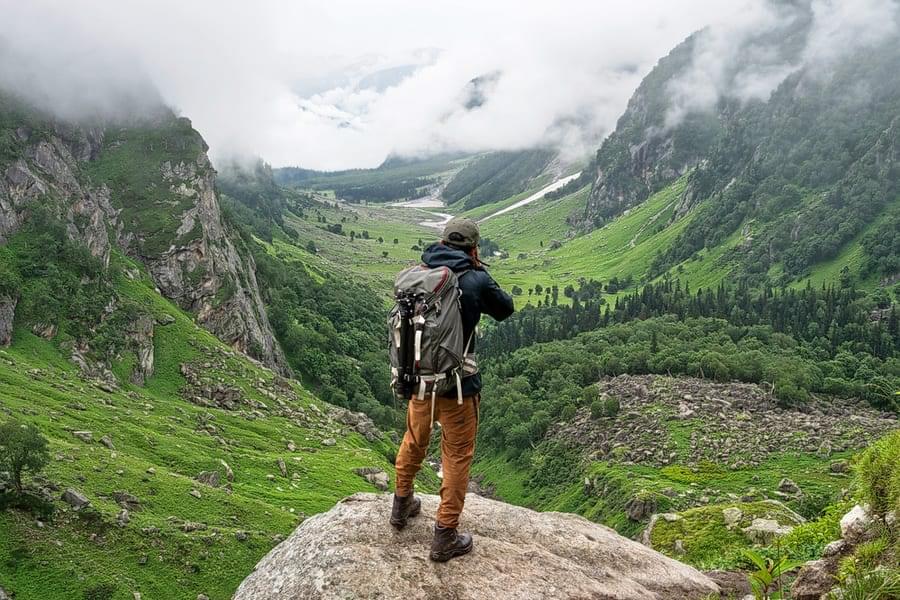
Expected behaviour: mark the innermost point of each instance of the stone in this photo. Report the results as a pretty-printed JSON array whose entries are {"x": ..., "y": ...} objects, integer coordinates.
[
  {"x": 241, "y": 536},
  {"x": 732, "y": 516},
  {"x": 764, "y": 531},
  {"x": 352, "y": 552},
  {"x": 856, "y": 525},
  {"x": 732, "y": 584},
  {"x": 202, "y": 597},
  {"x": 835, "y": 548},
  {"x": 189, "y": 526},
  {"x": 329, "y": 442},
  {"x": 126, "y": 500},
  {"x": 107, "y": 441},
  {"x": 639, "y": 507},
  {"x": 839, "y": 466},
  {"x": 196, "y": 494},
  {"x": 375, "y": 476},
  {"x": 210, "y": 478},
  {"x": 670, "y": 517},
  {"x": 123, "y": 518},
  {"x": 815, "y": 579},
  {"x": 7, "y": 317},
  {"x": 282, "y": 467},
  {"x": 3, "y": 594},
  {"x": 84, "y": 436},
  {"x": 229, "y": 474},
  {"x": 75, "y": 499},
  {"x": 788, "y": 486}
]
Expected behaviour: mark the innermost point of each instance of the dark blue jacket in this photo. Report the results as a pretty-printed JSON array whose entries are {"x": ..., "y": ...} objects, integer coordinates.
[{"x": 480, "y": 294}]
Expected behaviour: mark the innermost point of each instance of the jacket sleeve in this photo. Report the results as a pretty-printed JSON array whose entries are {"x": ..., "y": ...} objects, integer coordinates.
[{"x": 497, "y": 303}]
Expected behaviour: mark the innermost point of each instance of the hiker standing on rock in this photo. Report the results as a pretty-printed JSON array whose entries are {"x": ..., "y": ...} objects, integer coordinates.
[{"x": 432, "y": 349}]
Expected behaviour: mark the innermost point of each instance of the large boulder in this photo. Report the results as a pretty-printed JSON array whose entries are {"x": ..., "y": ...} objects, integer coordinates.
[
  {"x": 75, "y": 499},
  {"x": 856, "y": 525},
  {"x": 765, "y": 531},
  {"x": 352, "y": 552},
  {"x": 815, "y": 579}
]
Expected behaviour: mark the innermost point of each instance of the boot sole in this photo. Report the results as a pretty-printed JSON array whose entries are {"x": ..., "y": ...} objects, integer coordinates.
[
  {"x": 445, "y": 556},
  {"x": 401, "y": 523}
]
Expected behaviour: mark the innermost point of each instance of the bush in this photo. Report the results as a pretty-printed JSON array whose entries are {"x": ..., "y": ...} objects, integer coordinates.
[
  {"x": 878, "y": 474},
  {"x": 22, "y": 449},
  {"x": 596, "y": 409},
  {"x": 101, "y": 591},
  {"x": 611, "y": 406},
  {"x": 31, "y": 503}
]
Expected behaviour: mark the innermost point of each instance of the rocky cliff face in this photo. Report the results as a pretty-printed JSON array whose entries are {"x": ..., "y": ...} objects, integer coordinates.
[
  {"x": 352, "y": 552},
  {"x": 645, "y": 152},
  {"x": 149, "y": 189}
]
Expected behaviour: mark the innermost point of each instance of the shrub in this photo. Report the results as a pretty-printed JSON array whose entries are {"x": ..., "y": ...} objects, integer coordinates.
[
  {"x": 877, "y": 585},
  {"x": 596, "y": 409},
  {"x": 878, "y": 474},
  {"x": 611, "y": 406},
  {"x": 101, "y": 591},
  {"x": 22, "y": 449}
]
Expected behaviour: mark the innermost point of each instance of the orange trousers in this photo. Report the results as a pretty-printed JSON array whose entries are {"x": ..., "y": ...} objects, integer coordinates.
[{"x": 459, "y": 425}]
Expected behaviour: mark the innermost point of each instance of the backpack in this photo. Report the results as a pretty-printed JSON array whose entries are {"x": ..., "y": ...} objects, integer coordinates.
[{"x": 427, "y": 351}]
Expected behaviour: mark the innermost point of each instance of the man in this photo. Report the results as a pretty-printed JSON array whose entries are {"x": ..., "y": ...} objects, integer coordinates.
[{"x": 458, "y": 250}]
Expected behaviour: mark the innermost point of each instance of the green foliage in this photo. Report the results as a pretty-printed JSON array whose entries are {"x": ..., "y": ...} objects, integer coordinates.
[
  {"x": 101, "y": 591},
  {"x": 22, "y": 450},
  {"x": 821, "y": 328},
  {"x": 331, "y": 332},
  {"x": 767, "y": 580},
  {"x": 807, "y": 540},
  {"x": 882, "y": 247},
  {"x": 610, "y": 406},
  {"x": 879, "y": 584},
  {"x": 878, "y": 474}
]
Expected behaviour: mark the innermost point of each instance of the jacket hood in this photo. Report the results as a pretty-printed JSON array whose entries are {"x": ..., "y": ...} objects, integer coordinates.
[{"x": 439, "y": 255}]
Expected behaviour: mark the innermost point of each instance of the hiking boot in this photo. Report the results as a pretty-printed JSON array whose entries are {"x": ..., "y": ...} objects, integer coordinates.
[
  {"x": 449, "y": 544},
  {"x": 405, "y": 507}
]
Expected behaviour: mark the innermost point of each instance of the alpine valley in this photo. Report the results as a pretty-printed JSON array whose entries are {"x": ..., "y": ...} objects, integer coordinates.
[{"x": 705, "y": 356}]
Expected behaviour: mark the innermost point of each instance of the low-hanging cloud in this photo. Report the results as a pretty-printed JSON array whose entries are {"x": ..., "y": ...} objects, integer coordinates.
[
  {"x": 746, "y": 58},
  {"x": 343, "y": 84}
]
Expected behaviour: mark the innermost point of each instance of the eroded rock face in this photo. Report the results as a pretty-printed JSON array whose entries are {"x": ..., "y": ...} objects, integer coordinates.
[
  {"x": 201, "y": 269},
  {"x": 352, "y": 552},
  {"x": 205, "y": 263},
  {"x": 7, "y": 317},
  {"x": 141, "y": 337}
]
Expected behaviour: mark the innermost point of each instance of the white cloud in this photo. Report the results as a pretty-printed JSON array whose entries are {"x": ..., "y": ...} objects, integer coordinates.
[
  {"x": 341, "y": 83},
  {"x": 742, "y": 57}
]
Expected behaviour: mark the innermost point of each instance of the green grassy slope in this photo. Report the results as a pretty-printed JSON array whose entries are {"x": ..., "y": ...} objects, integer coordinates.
[
  {"x": 623, "y": 248},
  {"x": 161, "y": 443}
]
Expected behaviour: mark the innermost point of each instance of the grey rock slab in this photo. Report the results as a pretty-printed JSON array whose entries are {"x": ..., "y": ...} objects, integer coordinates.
[{"x": 351, "y": 551}]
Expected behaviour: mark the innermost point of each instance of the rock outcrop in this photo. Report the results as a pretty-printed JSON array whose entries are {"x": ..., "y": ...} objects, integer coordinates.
[
  {"x": 162, "y": 212},
  {"x": 352, "y": 552},
  {"x": 7, "y": 318}
]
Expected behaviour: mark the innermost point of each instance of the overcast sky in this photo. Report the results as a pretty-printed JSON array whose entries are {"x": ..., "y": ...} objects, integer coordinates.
[{"x": 337, "y": 84}]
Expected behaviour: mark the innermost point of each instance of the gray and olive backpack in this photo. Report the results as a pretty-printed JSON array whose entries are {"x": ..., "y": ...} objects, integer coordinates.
[{"x": 427, "y": 347}]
